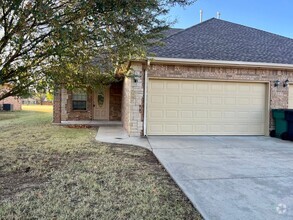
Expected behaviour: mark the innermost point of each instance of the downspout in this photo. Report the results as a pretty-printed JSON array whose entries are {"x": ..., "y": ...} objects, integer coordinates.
[{"x": 145, "y": 98}]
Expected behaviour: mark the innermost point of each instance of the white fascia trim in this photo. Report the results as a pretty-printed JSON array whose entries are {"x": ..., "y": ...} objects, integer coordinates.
[{"x": 219, "y": 63}]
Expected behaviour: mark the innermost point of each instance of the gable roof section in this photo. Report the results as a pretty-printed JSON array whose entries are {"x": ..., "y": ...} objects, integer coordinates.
[
  {"x": 171, "y": 31},
  {"x": 220, "y": 40}
]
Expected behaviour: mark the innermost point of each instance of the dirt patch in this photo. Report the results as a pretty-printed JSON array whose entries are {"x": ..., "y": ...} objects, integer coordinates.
[
  {"x": 16, "y": 182},
  {"x": 29, "y": 176}
]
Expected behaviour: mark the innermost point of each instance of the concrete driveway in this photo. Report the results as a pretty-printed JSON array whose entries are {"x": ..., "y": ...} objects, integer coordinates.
[{"x": 231, "y": 177}]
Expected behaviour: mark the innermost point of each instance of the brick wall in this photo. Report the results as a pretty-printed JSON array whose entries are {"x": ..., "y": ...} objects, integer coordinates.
[
  {"x": 76, "y": 115},
  {"x": 15, "y": 101},
  {"x": 278, "y": 95},
  {"x": 131, "y": 104},
  {"x": 57, "y": 106},
  {"x": 63, "y": 105}
]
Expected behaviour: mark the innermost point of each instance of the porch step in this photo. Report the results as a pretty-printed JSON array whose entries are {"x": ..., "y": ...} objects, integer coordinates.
[{"x": 92, "y": 123}]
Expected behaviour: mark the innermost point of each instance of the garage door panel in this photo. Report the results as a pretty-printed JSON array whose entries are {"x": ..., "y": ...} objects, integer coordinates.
[
  {"x": 172, "y": 99},
  {"x": 187, "y": 86},
  {"x": 156, "y": 114},
  {"x": 206, "y": 108},
  {"x": 156, "y": 99},
  {"x": 188, "y": 100},
  {"x": 171, "y": 114}
]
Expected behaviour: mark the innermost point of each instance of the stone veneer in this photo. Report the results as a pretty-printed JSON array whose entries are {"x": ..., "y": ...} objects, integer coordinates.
[{"x": 132, "y": 101}]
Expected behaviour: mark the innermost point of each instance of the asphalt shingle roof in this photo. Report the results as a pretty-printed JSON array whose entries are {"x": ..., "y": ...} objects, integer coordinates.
[
  {"x": 216, "y": 39},
  {"x": 171, "y": 31}
]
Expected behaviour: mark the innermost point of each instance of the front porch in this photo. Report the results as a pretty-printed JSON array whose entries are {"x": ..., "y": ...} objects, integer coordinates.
[
  {"x": 93, "y": 123},
  {"x": 94, "y": 107}
]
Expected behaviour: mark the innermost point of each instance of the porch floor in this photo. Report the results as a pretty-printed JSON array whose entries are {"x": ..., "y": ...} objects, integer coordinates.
[{"x": 92, "y": 123}]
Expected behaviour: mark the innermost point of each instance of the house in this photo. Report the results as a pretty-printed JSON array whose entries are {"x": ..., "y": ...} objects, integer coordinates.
[
  {"x": 214, "y": 78},
  {"x": 13, "y": 100}
]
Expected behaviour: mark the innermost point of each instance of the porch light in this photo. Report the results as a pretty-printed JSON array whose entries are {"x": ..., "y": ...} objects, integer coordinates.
[
  {"x": 286, "y": 83},
  {"x": 277, "y": 83},
  {"x": 135, "y": 78}
]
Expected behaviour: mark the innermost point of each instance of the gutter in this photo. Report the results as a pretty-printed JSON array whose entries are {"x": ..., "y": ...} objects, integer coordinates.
[
  {"x": 220, "y": 63},
  {"x": 145, "y": 98}
]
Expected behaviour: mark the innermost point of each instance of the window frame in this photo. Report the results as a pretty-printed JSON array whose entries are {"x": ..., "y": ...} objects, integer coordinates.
[{"x": 84, "y": 100}]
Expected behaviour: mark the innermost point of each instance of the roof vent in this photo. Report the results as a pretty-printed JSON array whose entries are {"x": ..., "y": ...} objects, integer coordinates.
[{"x": 200, "y": 15}]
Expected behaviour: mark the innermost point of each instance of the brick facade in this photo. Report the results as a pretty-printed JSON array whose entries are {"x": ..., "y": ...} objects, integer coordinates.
[
  {"x": 63, "y": 105},
  {"x": 57, "y": 106},
  {"x": 278, "y": 96},
  {"x": 15, "y": 101},
  {"x": 128, "y": 105},
  {"x": 75, "y": 115}
]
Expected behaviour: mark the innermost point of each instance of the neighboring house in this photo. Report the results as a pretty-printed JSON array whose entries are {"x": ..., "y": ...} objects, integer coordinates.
[
  {"x": 15, "y": 101},
  {"x": 29, "y": 101},
  {"x": 215, "y": 78}
]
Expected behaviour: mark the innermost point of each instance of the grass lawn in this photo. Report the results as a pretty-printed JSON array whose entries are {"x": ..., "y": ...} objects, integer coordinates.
[{"x": 53, "y": 172}]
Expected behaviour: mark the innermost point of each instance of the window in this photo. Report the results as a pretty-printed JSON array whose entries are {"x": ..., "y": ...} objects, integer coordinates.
[{"x": 79, "y": 99}]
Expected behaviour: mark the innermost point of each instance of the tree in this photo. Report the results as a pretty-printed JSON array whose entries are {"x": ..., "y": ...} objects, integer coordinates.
[{"x": 74, "y": 42}]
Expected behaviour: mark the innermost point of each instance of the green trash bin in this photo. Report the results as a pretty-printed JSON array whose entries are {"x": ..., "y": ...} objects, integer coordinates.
[{"x": 280, "y": 122}]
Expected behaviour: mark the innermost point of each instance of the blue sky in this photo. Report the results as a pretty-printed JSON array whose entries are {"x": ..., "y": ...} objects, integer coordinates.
[{"x": 275, "y": 16}]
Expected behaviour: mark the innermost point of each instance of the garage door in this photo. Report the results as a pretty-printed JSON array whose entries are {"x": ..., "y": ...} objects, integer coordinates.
[
  {"x": 290, "y": 103},
  {"x": 205, "y": 108}
]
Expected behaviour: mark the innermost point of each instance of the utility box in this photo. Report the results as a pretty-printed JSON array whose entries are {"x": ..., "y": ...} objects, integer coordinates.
[{"x": 7, "y": 107}]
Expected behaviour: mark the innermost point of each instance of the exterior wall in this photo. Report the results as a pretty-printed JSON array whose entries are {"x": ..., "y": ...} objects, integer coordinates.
[
  {"x": 63, "y": 111},
  {"x": 132, "y": 102},
  {"x": 76, "y": 115},
  {"x": 15, "y": 101},
  {"x": 57, "y": 106},
  {"x": 125, "y": 110},
  {"x": 278, "y": 96},
  {"x": 115, "y": 101}
]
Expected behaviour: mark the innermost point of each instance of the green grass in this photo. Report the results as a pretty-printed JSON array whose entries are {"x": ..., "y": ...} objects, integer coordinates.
[{"x": 71, "y": 176}]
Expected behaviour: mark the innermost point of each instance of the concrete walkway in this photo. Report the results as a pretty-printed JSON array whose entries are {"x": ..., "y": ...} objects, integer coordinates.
[
  {"x": 117, "y": 135},
  {"x": 231, "y": 177}
]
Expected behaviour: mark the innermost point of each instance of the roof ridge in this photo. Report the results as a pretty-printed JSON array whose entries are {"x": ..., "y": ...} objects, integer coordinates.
[
  {"x": 216, "y": 39},
  {"x": 267, "y": 32},
  {"x": 183, "y": 30}
]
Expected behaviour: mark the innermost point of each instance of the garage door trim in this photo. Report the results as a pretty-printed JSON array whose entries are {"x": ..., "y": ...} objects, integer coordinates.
[{"x": 266, "y": 98}]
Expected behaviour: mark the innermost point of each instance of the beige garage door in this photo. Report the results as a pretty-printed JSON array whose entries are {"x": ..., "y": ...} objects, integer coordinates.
[
  {"x": 290, "y": 103},
  {"x": 205, "y": 108}
]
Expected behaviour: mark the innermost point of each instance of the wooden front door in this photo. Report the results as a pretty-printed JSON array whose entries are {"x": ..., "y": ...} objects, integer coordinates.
[{"x": 101, "y": 104}]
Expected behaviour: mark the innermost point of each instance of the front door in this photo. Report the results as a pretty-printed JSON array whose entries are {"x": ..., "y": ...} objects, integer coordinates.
[{"x": 101, "y": 104}]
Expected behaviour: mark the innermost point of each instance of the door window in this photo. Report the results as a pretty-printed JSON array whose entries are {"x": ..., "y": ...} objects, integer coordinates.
[{"x": 101, "y": 99}]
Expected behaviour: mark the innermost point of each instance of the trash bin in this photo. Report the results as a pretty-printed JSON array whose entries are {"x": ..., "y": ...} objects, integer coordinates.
[
  {"x": 280, "y": 122},
  {"x": 289, "y": 119}
]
